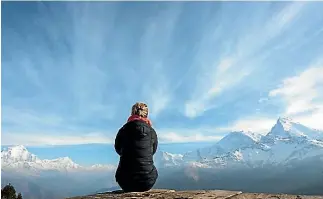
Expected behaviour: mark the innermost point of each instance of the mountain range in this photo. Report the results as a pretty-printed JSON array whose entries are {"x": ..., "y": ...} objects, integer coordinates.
[
  {"x": 19, "y": 159},
  {"x": 56, "y": 178},
  {"x": 286, "y": 142},
  {"x": 288, "y": 159}
]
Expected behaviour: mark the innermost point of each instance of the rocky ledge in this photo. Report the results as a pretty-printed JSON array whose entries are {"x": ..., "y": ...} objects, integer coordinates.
[{"x": 214, "y": 194}]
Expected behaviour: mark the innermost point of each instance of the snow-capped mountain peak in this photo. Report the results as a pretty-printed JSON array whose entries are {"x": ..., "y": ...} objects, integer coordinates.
[
  {"x": 103, "y": 166},
  {"x": 18, "y": 153},
  {"x": 286, "y": 122},
  {"x": 254, "y": 136},
  {"x": 165, "y": 159},
  {"x": 63, "y": 163},
  {"x": 282, "y": 129},
  {"x": 18, "y": 148},
  {"x": 20, "y": 159},
  {"x": 238, "y": 139},
  {"x": 231, "y": 142},
  {"x": 287, "y": 128},
  {"x": 287, "y": 140},
  {"x": 65, "y": 160}
]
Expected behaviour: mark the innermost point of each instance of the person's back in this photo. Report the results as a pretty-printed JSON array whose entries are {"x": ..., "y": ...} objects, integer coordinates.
[{"x": 136, "y": 143}]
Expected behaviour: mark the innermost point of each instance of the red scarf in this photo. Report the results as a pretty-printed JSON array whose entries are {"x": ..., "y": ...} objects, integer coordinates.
[{"x": 136, "y": 117}]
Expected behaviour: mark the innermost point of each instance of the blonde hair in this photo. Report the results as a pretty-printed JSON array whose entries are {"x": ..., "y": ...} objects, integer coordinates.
[{"x": 140, "y": 109}]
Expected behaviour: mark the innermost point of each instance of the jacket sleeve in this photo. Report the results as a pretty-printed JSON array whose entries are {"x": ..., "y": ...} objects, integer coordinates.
[
  {"x": 155, "y": 141},
  {"x": 119, "y": 141}
]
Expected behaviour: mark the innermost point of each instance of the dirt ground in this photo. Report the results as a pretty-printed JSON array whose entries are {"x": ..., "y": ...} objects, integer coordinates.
[{"x": 171, "y": 194}]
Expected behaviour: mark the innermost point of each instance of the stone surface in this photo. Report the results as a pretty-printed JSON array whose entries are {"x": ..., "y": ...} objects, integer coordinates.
[{"x": 199, "y": 194}]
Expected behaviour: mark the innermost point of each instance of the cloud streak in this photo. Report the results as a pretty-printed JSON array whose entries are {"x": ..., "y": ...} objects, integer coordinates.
[
  {"x": 178, "y": 138},
  {"x": 154, "y": 49},
  {"x": 40, "y": 139},
  {"x": 204, "y": 69},
  {"x": 261, "y": 125},
  {"x": 229, "y": 69},
  {"x": 302, "y": 95}
]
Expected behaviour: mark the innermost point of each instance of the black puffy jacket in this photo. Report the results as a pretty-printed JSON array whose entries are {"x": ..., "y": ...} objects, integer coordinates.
[{"x": 136, "y": 143}]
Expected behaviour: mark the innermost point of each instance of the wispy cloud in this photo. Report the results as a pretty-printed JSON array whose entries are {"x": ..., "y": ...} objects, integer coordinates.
[
  {"x": 156, "y": 44},
  {"x": 28, "y": 118},
  {"x": 42, "y": 139},
  {"x": 300, "y": 91},
  {"x": 229, "y": 69},
  {"x": 261, "y": 125},
  {"x": 314, "y": 119},
  {"x": 180, "y": 135},
  {"x": 256, "y": 124},
  {"x": 204, "y": 69},
  {"x": 178, "y": 138},
  {"x": 72, "y": 70},
  {"x": 66, "y": 61},
  {"x": 38, "y": 138},
  {"x": 302, "y": 95}
]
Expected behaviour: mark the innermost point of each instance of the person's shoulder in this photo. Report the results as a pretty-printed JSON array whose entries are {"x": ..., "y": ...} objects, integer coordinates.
[{"x": 138, "y": 123}]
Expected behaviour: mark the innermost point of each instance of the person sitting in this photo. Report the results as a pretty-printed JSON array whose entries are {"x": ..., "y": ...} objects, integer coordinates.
[{"x": 136, "y": 143}]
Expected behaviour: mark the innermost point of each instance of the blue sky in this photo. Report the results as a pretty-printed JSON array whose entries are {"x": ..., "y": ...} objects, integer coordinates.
[{"x": 72, "y": 70}]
